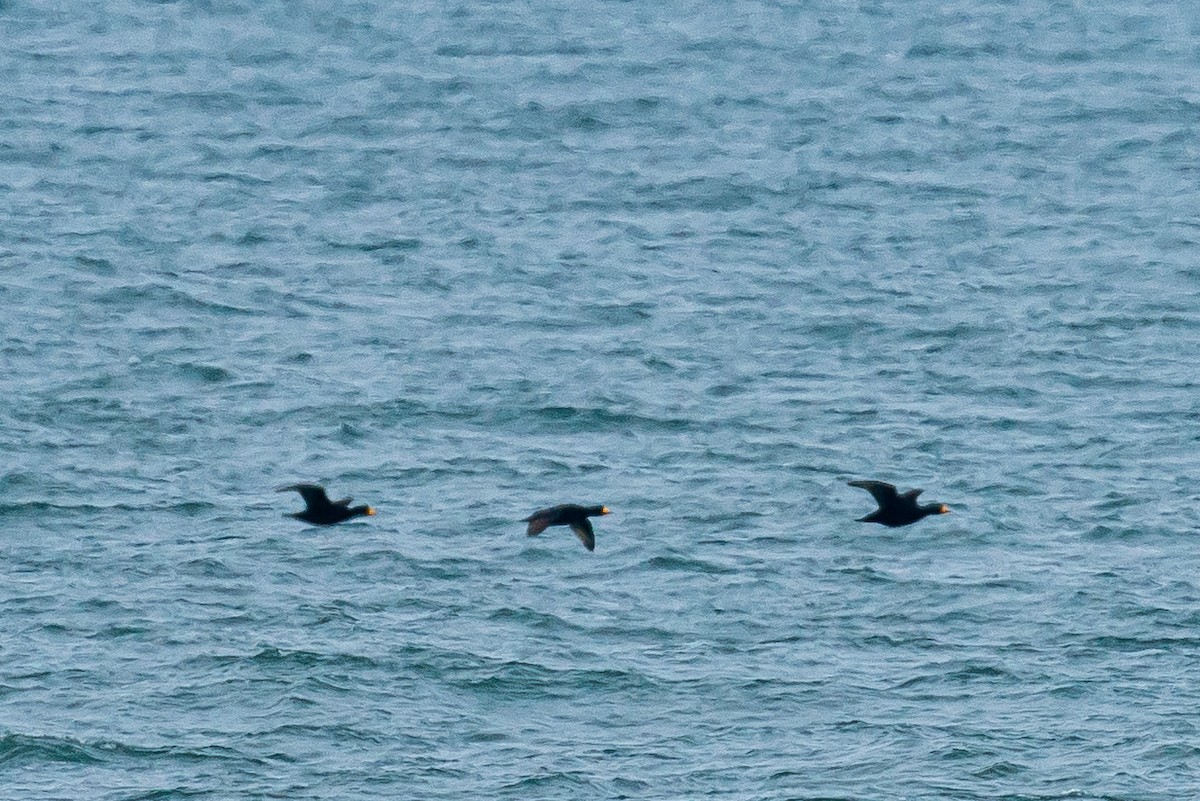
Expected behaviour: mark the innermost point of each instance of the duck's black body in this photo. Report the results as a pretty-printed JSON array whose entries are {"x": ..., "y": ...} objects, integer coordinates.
[
  {"x": 319, "y": 509},
  {"x": 896, "y": 509},
  {"x": 567, "y": 514}
]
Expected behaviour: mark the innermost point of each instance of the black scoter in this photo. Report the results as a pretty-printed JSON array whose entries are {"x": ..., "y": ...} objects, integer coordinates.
[
  {"x": 896, "y": 509},
  {"x": 319, "y": 509},
  {"x": 567, "y": 514}
]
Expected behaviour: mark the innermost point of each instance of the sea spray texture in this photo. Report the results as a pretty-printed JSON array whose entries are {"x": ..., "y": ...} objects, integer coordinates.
[{"x": 704, "y": 265}]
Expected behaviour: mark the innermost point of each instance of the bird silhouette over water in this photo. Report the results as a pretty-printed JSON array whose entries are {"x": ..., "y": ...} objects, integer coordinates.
[
  {"x": 896, "y": 509},
  {"x": 319, "y": 509},
  {"x": 567, "y": 514}
]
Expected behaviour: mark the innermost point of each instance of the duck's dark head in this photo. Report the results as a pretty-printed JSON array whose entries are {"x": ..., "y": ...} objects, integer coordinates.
[
  {"x": 364, "y": 510},
  {"x": 598, "y": 511}
]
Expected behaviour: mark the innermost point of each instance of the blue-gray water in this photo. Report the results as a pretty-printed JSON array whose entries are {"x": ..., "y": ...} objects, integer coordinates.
[{"x": 700, "y": 262}]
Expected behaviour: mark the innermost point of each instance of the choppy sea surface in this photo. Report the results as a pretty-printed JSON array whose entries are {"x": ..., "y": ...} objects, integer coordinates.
[{"x": 700, "y": 262}]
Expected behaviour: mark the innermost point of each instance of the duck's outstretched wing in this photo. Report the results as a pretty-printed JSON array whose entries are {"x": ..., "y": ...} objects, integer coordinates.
[
  {"x": 538, "y": 522},
  {"x": 583, "y": 530},
  {"x": 881, "y": 491},
  {"x": 313, "y": 494}
]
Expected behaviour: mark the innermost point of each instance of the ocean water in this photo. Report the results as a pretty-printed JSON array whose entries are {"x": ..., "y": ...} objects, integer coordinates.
[{"x": 702, "y": 263}]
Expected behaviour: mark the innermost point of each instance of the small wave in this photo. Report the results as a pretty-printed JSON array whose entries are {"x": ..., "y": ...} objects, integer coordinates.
[
  {"x": 24, "y": 749},
  {"x": 242, "y": 179},
  {"x": 208, "y": 373},
  {"x": 338, "y": 732},
  {"x": 517, "y": 47},
  {"x": 1127, "y": 644},
  {"x": 209, "y": 568},
  {"x": 34, "y": 749},
  {"x": 596, "y": 418},
  {"x": 212, "y": 101},
  {"x": 401, "y": 411},
  {"x": 705, "y": 193},
  {"x": 916, "y": 642},
  {"x": 866, "y": 574},
  {"x": 114, "y": 632},
  {"x": 952, "y": 51},
  {"x": 532, "y": 618},
  {"x": 1102, "y": 532},
  {"x": 1183, "y": 751},
  {"x": 554, "y": 784},
  {"x": 527, "y": 680},
  {"x": 99, "y": 266},
  {"x": 269, "y": 657},
  {"x": 17, "y": 509},
  {"x": 964, "y": 674},
  {"x": 27, "y": 508},
  {"x": 374, "y": 244},
  {"x": 133, "y": 298},
  {"x": 276, "y": 656},
  {"x": 999, "y": 770},
  {"x": 686, "y": 565},
  {"x": 189, "y": 507}
]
